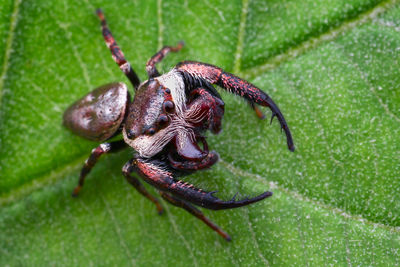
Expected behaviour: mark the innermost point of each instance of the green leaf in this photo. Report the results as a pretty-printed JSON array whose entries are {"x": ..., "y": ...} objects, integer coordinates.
[{"x": 333, "y": 69}]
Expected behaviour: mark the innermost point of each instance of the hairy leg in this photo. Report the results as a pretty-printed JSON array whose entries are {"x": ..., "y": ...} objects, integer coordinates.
[
  {"x": 116, "y": 52},
  {"x": 151, "y": 64},
  {"x": 195, "y": 212},
  {"x": 126, "y": 171},
  {"x": 233, "y": 84},
  {"x": 154, "y": 173},
  {"x": 92, "y": 160}
]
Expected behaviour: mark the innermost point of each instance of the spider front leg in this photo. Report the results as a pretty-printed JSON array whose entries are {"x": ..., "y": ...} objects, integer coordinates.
[
  {"x": 151, "y": 64},
  {"x": 116, "y": 52},
  {"x": 155, "y": 173},
  {"x": 92, "y": 160},
  {"x": 195, "y": 212},
  {"x": 192, "y": 72}
]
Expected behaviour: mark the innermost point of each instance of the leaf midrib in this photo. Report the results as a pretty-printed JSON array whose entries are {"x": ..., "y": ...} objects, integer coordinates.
[
  {"x": 270, "y": 64},
  {"x": 8, "y": 50}
]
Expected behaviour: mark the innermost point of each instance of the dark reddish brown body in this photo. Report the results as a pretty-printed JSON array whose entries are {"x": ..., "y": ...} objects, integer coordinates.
[
  {"x": 98, "y": 115},
  {"x": 165, "y": 124}
]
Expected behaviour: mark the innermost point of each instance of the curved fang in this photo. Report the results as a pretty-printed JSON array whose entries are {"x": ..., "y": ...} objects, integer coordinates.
[
  {"x": 277, "y": 113},
  {"x": 218, "y": 204},
  {"x": 188, "y": 148},
  {"x": 207, "y": 200}
]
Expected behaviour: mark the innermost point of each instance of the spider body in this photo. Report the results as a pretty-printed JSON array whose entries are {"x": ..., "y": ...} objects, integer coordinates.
[{"x": 165, "y": 124}]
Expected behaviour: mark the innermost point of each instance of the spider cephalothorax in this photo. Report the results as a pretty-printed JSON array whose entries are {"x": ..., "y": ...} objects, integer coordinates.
[{"x": 165, "y": 125}]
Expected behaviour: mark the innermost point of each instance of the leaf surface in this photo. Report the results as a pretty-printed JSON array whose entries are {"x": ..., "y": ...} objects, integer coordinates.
[{"x": 333, "y": 69}]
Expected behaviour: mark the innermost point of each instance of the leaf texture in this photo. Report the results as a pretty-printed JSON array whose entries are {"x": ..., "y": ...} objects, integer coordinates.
[{"x": 333, "y": 69}]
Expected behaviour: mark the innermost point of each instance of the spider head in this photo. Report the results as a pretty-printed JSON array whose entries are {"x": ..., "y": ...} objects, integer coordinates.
[
  {"x": 152, "y": 118},
  {"x": 150, "y": 110}
]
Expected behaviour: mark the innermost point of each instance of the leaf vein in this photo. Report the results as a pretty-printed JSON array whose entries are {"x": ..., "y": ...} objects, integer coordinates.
[
  {"x": 253, "y": 237},
  {"x": 9, "y": 42},
  {"x": 371, "y": 87},
  {"x": 300, "y": 197},
  {"x": 316, "y": 118},
  {"x": 64, "y": 27},
  {"x": 302, "y": 238},
  {"x": 41, "y": 181},
  {"x": 346, "y": 237},
  {"x": 324, "y": 37},
  {"x": 172, "y": 221},
  {"x": 118, "y": 231},
  {"x": 241, "y": 33}
]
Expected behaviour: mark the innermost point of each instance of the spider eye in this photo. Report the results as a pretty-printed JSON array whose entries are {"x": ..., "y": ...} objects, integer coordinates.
[
  {"x": 131, "y": 134},
  {"x": 151, "y": 131},
  {"x": 162, "y": 120},
  {"x": 168, "y": 106}
]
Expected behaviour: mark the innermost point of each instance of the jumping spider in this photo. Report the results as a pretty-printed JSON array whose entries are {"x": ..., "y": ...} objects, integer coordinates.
[{"x": 164, "y": 125}]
